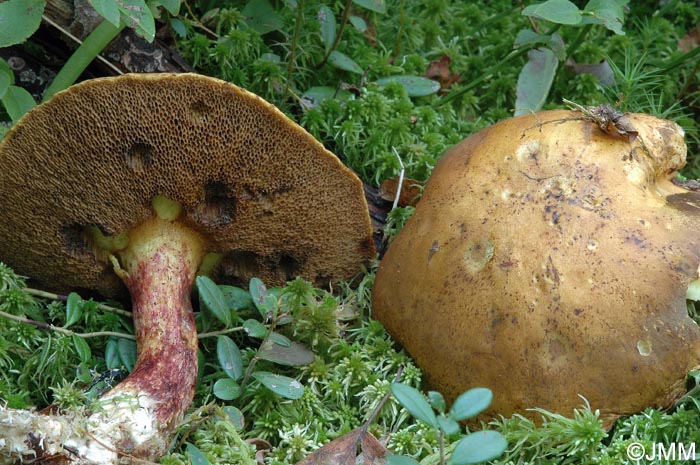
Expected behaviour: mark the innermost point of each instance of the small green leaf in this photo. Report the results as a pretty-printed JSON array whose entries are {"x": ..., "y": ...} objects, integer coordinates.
[
  {"x": 610, "y": 14},
  {"x": 478, "y": 447},
  {"x": 173, "y": 6},
  {"x": 82, "y": 348},
  {"x": 437, "y": 401},
  {"x": 258, "y": 293},
  {"x": 471, "y": 403},
  {"x": 378, "y": 6},
  {"x": 289, "y": 388},
  {"x": 73, "y": 309},
  {"x": 19, "y": 19},
  {"x": 401, "y": 460},
  {"x": 293, "y": 355},
  {"x": 260, "y": 16},
  {"x": 327, "y": 20},
  {"x": 127, "y": 353},
  {"x": 236, "y": 298},
  {"x": 7, "y": 77},
  {"x": 229, "y": 357},
  {"x": 529, "y": 37},
  {"x": 280, "y": 339},
  {"x": 235, "y": 415},
  {"x": 556, "y": 11},
  {"x": 112, "y": 359},
  {"x": 227, "y": 389},
  {"x": 45, "y": 352},
  {"x": 344, "y": 62},
  {"x": 416, "y": 86},
  {"x": 535, "y": 80},
  {"x": 196, "y": 456},
  {"x": 17, "y": 102},
  {"x": 178, "y": 27},
  {"x": 255, "y": 329},
  {"x": 139, "y": 17},
  {"x": 108, "y": 9},
  {"x": 358, "y": 23},
  {"x": 213, "y": 299},
  {"x": 415, "y": 403},
  {"x": 83, "y": 373},
  {"x": 448, "y": 425},
  {"x": 315, "y": 95}
]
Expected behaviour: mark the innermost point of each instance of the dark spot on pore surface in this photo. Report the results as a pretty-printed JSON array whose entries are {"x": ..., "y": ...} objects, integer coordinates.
[
  {"x": 289, "y": 266},
  {"x": 219, "y": 206},
  {"x": 74, "y": 238},
  {"x": 200, "y": 110},
  {"x": 139, "y": 156}
]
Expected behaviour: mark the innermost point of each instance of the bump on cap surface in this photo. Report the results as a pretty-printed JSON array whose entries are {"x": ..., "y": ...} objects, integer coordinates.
[{"x": 259, "y": 188}]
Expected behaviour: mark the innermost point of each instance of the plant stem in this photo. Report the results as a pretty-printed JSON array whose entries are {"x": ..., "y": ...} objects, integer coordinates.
[
  {"x": 402, "y": 19},
  {"x": 292, "y": 50},
  {"x": 63, "y": 298},
  {"x": 442, "y": 446},
  {"x": 341, "y": 28},
  {"x": 219, "y": 332},
  {"x": 254, "y": 360},
  {"x": 67, "y": 332},
  {"x": 578, "y": 40},
  {"x": 94, "y": 43}
]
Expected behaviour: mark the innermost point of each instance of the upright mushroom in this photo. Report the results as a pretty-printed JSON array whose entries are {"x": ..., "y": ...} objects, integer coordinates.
[
  {"x": 547, "y": 260},
  {"x": 150, "y": 176}
]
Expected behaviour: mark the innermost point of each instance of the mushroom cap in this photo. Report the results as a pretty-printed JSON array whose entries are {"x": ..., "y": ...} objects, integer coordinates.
[
  {"x": 260, "y": 190},
  {"x": 547, "y": 260}
]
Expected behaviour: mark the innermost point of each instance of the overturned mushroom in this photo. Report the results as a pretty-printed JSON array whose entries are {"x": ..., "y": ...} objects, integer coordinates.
[
  {"x": 153, "y": 176},
  {"x": 547, "y": 260}
]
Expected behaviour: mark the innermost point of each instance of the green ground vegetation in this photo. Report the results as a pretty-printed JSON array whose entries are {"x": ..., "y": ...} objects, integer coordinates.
[{"x": 352, "y": 73}]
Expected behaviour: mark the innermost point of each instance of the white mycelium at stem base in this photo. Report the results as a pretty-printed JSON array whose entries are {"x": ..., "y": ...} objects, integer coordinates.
[{"x": 137, "y": 417}]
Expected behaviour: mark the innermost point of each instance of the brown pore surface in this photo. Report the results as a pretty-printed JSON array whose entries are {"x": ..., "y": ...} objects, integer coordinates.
[
  {"x": 256, "y": 186},
  {"x": 548, "y": 260}
]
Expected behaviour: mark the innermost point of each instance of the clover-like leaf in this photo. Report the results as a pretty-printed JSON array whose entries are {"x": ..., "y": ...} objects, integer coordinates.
[
  {"x": 229, "y": 356},
  {"x": 415, "y": 403},
  {"x": 284, "y": 386}
]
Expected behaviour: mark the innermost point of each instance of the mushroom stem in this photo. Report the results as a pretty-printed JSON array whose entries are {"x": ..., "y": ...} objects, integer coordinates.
[
  {"x": 158, "y": 267},
  {"x": 137, "y": 417}
]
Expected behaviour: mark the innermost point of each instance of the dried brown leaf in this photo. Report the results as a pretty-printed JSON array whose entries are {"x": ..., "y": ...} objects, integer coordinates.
[
  {"x": 411, "y": 191},
  {"x": 439, "y": 70},
  {"x": 343, "y": 451},
  {"x": 689, "y": 41}
]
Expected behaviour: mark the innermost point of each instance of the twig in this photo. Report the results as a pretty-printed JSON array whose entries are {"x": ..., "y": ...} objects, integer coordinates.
[
  {"x": 220, "y": 332},
  {"x": 381, "y": 403},
  {"x": 401, "y": 173},
  {"x": 67, "y": 332},
  {"x": 118, "y": 452},
  {"x": 199, "y": 24},
  {"x": 80, "y": 42},
  {"x": 92, "y": 46},
  {"x": 63, "y": 298},
  {"x": 343, "y": 22},
  {"x": 293, "y": 50}
]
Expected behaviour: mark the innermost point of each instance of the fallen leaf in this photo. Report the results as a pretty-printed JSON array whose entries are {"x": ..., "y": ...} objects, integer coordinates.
[
  {"x": 262, "y": 448},
  {"x": 343, "y": 451},
  {"x": 440, "y": 71},
  {"x": 690, "y": 40},
  {"x": 411, "y": 191}
]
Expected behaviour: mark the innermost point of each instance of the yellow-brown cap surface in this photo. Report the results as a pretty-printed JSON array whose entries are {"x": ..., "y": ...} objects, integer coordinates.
[
  {"x": 547, "y": 260},
  {"x": 261, "y": 190}
]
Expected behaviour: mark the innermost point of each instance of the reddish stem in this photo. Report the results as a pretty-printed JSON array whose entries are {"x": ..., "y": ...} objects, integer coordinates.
[{"x": 159, "y": 267}]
